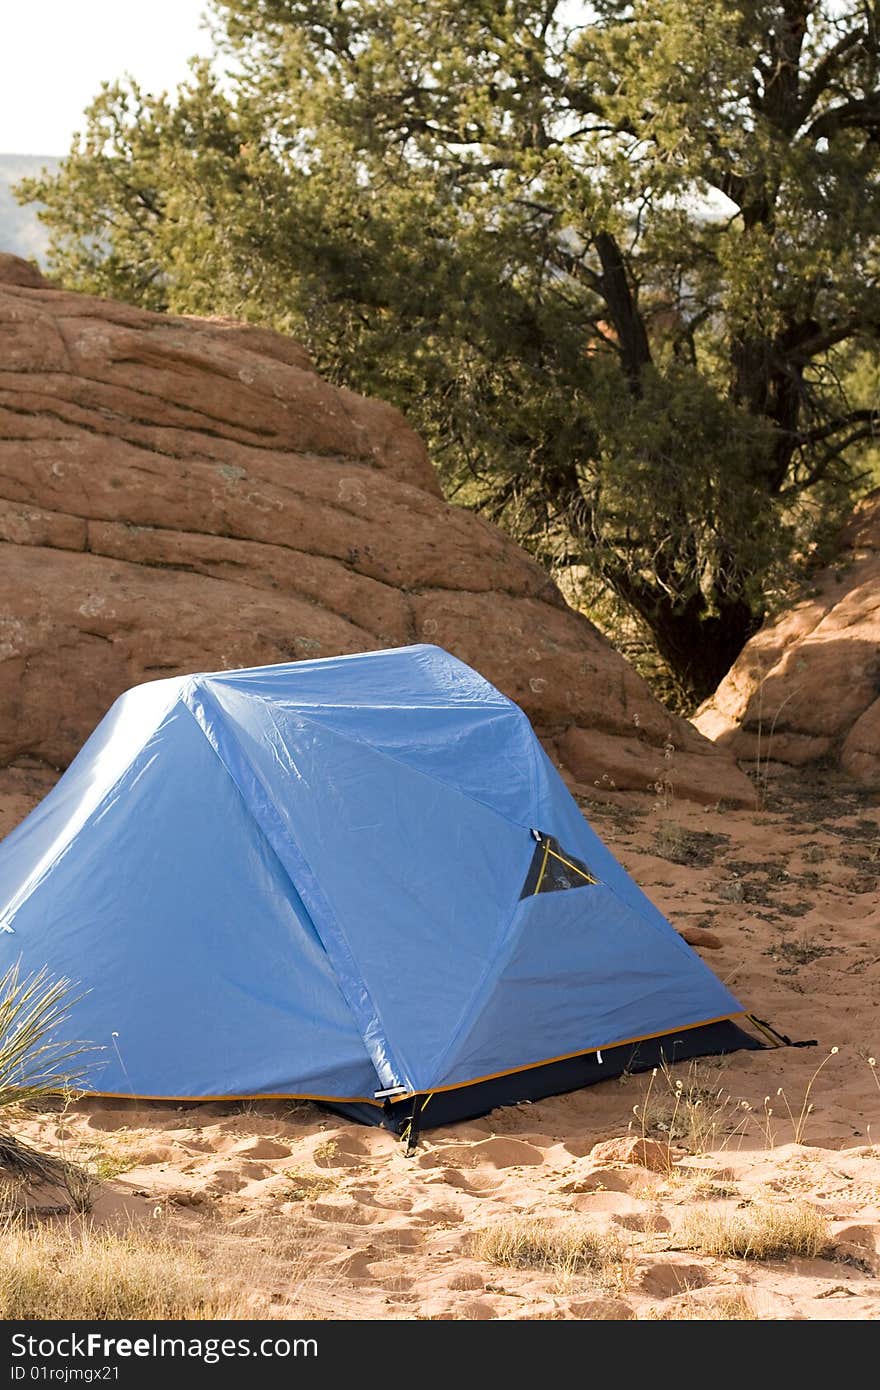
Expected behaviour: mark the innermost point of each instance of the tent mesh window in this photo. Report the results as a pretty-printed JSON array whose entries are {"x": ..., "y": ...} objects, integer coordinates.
[{"x": 553, "y": 869}]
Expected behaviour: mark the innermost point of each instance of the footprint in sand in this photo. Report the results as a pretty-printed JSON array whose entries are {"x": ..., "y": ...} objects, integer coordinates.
[
  {"x": 480, "y": 1185},
  {"x": 578, "y": 1148},
  {"x": 491, "y": 1153},
  {"x": 356, "y": 1264},
  {"x": 342, "y": 1210},
  {"x": 386, "y": 1271},
  {"x": 476, "y": 1310},
  {"x": 429, "y": 1215},
  {"x": 341, "y": 1151},
  {"x": 148, "y": 1157},
  {"x": 107, "y": 1121},
  {"x": 263, "y": 1148},
  {"x": 398, "y": 1238},
  {"x": 255, "y": 1172},
  {"x": 191, "y": 1144},
  {"x": 369, "y": 1198},
  {"x": 600, "y": 1309},
  {"x": 613, "y": 1203},
  {"x": 642, "y": 1221},
  {"x": 665, "y": 1280},
  {"x": 213, "y": 1142},
  {"x": 223, "y": 1180},
  {"x": 604, "y": 1180}
]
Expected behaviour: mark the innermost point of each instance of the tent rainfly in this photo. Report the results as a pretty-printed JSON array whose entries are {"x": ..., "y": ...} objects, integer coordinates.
[{"x": 357, "y": 880}]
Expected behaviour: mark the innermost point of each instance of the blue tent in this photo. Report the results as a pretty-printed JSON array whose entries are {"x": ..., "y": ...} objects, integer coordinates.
[{"x": 359, "y": 880}]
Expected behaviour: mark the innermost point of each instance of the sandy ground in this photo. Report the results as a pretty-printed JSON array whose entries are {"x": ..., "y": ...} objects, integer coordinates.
[{"x": 305, "y": 1212}]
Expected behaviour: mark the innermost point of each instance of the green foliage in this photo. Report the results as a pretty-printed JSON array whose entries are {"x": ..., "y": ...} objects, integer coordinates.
[
  {"x": 609, "y": 262},
  {"x": 859, "y": 371}
]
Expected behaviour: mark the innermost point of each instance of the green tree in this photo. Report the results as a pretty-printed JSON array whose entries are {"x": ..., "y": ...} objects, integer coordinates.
[{"x": 612, "y": 260}]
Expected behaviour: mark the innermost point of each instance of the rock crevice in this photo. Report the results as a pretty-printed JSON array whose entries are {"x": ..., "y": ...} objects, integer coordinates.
[{"x": 806, "y": 688}]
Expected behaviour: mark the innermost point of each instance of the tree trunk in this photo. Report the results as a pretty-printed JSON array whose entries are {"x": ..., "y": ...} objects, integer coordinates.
[
  {"x": 632, "y": 336},
  {"x": 698, "y": 645},
  {"x": 701, "y": 647}
]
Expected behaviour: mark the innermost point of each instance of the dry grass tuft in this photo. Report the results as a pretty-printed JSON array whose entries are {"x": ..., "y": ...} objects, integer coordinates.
[
  {"x": 527, "y": 1243},
  {"x": 691, "y": 1107},
  {"x": 800, "y": 952},
  {"x": 33, "y": 1009},
  {"x": 111, "y": 1155},
  {"x": 305, "y": 1184},
  {"x": 672, "y": 841},
  {"x": 770, "y": 1232},
  {"x": 325, "y": 1154},
  {"x": 76, "y": 1270},
  {"x": 686, "y": 1185},
  {"x": 33, "y": 1065},
  {"x": 106, "y": 1164},
  {"x": 49, "y": 1271}
]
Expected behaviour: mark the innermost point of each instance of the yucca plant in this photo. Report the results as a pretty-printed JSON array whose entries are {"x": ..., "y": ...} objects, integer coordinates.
[{"x": 35, "y": 1063}]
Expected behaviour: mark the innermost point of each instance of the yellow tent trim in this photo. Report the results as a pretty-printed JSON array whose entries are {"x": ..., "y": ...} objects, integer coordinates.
[
  {"x": 543, "y": 869},
  {"x": 582, "y": 873},
  {"x": 567, "y": 1056},
  {"x": 272, "y": 1095},
  {"x": 409, "y": 1095},
  {"x": 769, "y": 1033}
]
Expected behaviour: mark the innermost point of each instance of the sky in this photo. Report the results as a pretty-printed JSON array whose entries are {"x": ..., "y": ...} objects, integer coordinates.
[{"x": 56, "y": 53}]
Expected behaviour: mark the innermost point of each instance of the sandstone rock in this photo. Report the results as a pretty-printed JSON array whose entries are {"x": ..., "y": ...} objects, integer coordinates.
[
  {"x": 21, "y": 787},
  {"x": 644, "y": 1153},
  {"x": 602, "y": 1179},
  {"x": 650, "y": 760},
  {"x": 860, "y": 754},
  {"x": 15, "y": 271},
  {"x": 807, "y": 686},
  {"x": 181, "y": 494},
  {"x": 857, "y": 1244},
  {"x": 699, "y": 937}
]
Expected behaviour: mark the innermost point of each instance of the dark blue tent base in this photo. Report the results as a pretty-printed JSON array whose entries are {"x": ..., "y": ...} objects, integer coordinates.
[{"x": 553, "y": 1078}]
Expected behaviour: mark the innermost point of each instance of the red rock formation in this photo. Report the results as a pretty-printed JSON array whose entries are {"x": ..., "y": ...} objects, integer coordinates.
[
  {"x": 807, "y": 686},
  {"x": 182, "y": 494}
]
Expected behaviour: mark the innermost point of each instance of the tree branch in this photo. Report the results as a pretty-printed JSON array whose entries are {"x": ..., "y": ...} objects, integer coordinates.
[
  {"x": 576, "y": 267},
  {"x": 635, "y": 349},
  {"x": 871, "y": 418},
  {"x": 829, "y": 456},
  {"x": 812, "y": 346},
  {"x": 861, "y": 114},
  {"x": 823, "y": 72}
]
